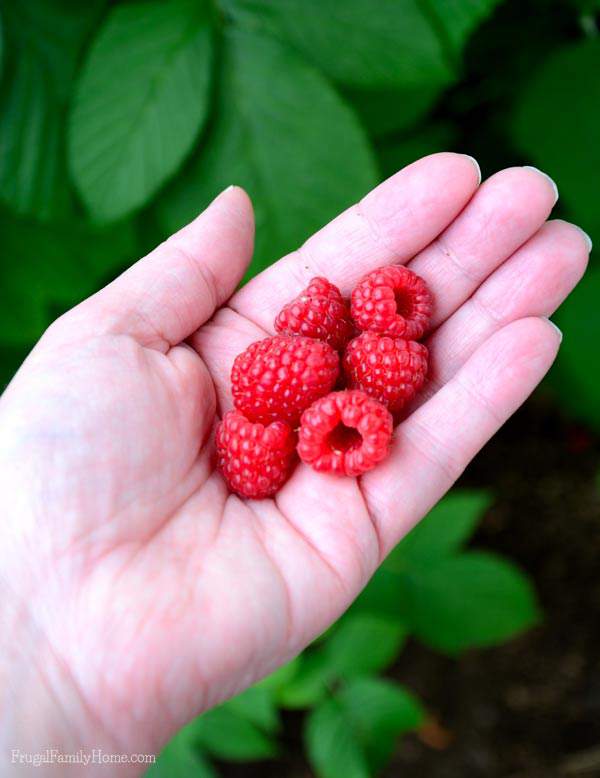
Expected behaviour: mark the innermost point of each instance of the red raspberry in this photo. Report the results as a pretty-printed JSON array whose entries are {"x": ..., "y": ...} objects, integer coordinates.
[
  {"x": 318, "y": 312},
  {"x": 346, "y": 433},
  {"x": 277, "y": 378},
  {"x": 392, "y": 370},
  {"x": 255, "y": 460},
  {"x": 392, "y": 300}
]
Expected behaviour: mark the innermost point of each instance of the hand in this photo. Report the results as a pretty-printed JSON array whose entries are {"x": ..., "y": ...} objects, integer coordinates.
[{"x": 138, "y": 591}]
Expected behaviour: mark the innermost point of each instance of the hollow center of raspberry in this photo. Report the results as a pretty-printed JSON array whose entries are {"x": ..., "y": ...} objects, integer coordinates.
[
  {"x": 343, "y": 438},
  {"x": 404, "y": 303}
]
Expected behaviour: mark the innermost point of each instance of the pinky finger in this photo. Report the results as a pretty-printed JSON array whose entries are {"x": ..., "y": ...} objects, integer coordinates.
[{"x": 435, "y": 444}]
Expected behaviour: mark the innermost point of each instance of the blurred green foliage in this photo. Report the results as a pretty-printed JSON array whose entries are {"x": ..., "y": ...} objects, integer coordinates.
[{"x": 119, "y": 121}]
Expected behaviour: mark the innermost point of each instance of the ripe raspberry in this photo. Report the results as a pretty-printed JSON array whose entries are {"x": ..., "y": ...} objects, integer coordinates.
[
  {"x": 392, "y": 300},
  {"x": 346, "y": 433},
  {"x": 255, "y": 460},
  {"x": 278, "y": 377},
  {"x": 392, "y": 370},
  {"x": 318, "y": 312}
]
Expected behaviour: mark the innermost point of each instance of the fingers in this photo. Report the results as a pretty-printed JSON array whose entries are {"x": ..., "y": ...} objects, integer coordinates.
[
  {"x": 391, "y": 224},
  {"x": 533, "y": 282},
  {"x": 434, "y": 445},
  {"x": 166, "y": 296},
  {"x": 505, "y": 211}
]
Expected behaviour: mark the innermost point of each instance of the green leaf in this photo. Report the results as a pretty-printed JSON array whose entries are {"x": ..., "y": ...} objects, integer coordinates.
[
  {"x": 364, "y": 643},
  {"x": 287, "y": 137},
  {"x": 390, "y": 110},
  {"x": 394, "y": 154},
  {"x": 443, "y": 531},
  {"x": 380, "y": 596},
  {"x": 378, "y": 711},
  {"x": 44, "y": 38},
  {"x": 331, "y": 746},
  {"x": 310, "y": 683},
  {"x": 179, "y": 759},
  {"x": 354, "y": 733},
  {"x": 11, "y": 358},
  {"x": 475, "y": 599},
  {"x": 1, "y": 45},
  {"x": 257, "y": 705},
  {"x": 578, "y": 371},
  {"x": 140, "y": 103},
  {"x": 564, "y": 143},
  {"x": 459, "y": 18},
  {"x": 362, "y": 43},
  {"x": 272, "y": 683},
  {"x": 226, "y": 735},
  {"x": 49, "y": 268}
]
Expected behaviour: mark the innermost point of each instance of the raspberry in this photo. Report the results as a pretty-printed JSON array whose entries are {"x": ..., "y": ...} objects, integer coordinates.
[
  {"x": 346, "y": 433},
  {"x": 277, "y": 378},
  {"x": 318, "y": 312},
  {"x": 392, "y": 370},
  {"x": 255, "y": 459},
  {"x": 392, "y": 300}
]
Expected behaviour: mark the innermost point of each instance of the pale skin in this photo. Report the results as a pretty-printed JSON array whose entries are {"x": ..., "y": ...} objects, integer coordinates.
[{"x": 135, "y": 590}]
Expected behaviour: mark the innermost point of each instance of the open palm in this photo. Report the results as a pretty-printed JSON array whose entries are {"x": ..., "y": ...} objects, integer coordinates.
[{"x": 152, "y": 591}]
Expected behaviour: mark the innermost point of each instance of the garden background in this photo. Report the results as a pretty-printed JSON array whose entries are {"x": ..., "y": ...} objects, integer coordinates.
[{"x": 474, "y": 651}]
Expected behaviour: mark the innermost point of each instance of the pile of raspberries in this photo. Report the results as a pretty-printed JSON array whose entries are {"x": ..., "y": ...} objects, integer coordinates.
[{"x": 282, "y": 386}]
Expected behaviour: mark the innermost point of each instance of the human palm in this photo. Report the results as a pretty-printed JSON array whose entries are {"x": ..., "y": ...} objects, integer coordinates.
[{"x": 152, "y": 591}]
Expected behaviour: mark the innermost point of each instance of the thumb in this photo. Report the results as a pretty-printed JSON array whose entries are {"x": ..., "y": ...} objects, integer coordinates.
[{"x": 167, "y": 295}]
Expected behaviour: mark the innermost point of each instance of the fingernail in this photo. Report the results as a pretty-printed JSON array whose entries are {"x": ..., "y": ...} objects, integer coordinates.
[
  {"x": 552, "y": 324},
  {"x": 547, "y": 177},
  {"x": 586, "y": 237},
  {"x": 476, "y": 166},
  {"x": 227, "y": 189}
]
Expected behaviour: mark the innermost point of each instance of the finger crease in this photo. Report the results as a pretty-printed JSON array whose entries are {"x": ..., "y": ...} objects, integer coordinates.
[
  {"x": 376, "y": 234},
  {"x": 451, "y": 255},
  {"x": 451, "y": 468}
]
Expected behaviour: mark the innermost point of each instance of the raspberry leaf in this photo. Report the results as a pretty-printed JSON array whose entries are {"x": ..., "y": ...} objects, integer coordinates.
[
  {"x": 379, "y": 711},
  {"x": 310, "y": 682},
  {"x": 180, "y": 758},
  {"x": 474, "y": 599},
  {"x": 225, "y": 734},
  {"x": 271, "y": 104},
  {"x": 540, "y": 130},
  {"x": 443, "y": 531},
  {"x": 387, "y": 111},
  {"x": 578, "y": 376},
  {"x": 331, "y": 745},
  {"x": 141, "y": 101},
  {"x": 51, "y": 268},
  {"x": 43, "y": 40},
  {"x": 257, "y": 705},
  {"x": 390, "y": 45},
  {"x": 354, "y": 733},
  {"x": 394, "y": 154},
  {"x": 364, "y": 643},
  {"x": 458, "y": 18}
]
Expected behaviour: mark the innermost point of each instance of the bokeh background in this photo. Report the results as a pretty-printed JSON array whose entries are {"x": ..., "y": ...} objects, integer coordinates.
[{"x": 475, "y": 650}]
